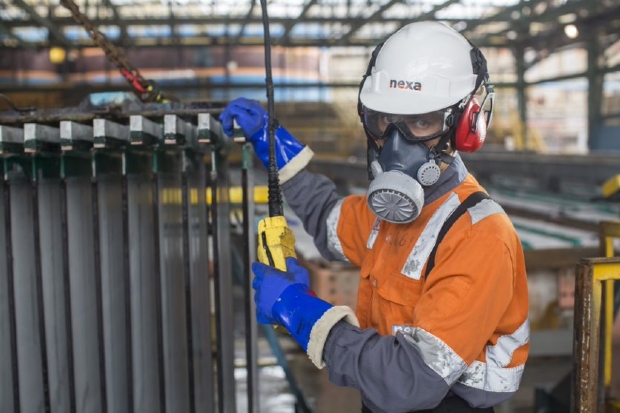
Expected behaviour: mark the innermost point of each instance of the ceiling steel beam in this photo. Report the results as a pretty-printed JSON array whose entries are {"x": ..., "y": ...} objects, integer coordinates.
[
  {"x": 428, "y": 15},
  {"x": 246, "y": 21},
  {"x": 173, "y": 33},
  {"x": 554, "y": 39},
  {"x": 20, "y": 43},
  {"x": 213, "y": 20},
  {"x": 550, "y": 15},
  {"x": 502, "y": 15},
  {"x": 117, "y": 17},
  {"x": 289, "y": 26},
  {"x": 204, "y": 41},
  {"x": 42, "y": 21},
  {"x": 505, "y": 15},
  {"x": 189, "y": 85},
  {"x": 486, "y": 40},
  {"x": 358, "y": 23}
]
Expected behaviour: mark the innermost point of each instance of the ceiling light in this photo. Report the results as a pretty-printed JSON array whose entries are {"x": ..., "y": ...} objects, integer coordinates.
[
  {"x": 529, "y": 55},
  {"x": 567, "y": 18},
  {"x": 511, "y": 35},
  {"x": 57, "y": 55},
  {"x": 583, "y": 12},
  {"x": 540, "y": 8},
  {"x": 570, "y": 30},
  {"x": 232, "y": 65}
]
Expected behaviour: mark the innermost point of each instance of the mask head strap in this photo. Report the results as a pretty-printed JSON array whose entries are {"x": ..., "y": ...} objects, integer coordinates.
[
  {"x": 371, "y": 64},
  {"x": 372, "y": 152}
]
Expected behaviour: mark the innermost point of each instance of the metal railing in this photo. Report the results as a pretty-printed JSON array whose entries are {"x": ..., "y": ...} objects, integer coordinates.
[
  {"x": 594, "y": 315},
  {"x": 107, "y": 248}
]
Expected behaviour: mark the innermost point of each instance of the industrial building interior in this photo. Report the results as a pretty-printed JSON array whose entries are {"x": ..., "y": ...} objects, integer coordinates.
[{"x": 127, "y": 215}]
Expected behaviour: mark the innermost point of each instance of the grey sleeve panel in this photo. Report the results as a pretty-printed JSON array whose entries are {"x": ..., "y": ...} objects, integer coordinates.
[
  {"x": 389, "y": 372},
  {"x": 312, "y": 197},
  {"x": 478, "y": 397}
]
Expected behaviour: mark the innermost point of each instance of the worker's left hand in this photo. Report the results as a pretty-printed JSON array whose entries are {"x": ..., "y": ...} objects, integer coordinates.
[
  {"x": 269, "y": 284},
  {"x": 249, "y": 115},
  {"x": 291, "y": 155}
]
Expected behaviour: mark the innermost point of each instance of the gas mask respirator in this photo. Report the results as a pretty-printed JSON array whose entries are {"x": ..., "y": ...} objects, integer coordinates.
[{"x": 401, "y": 168}]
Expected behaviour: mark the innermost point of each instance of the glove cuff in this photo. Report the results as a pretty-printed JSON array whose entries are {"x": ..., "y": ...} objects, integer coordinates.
[
  {"x": 309, "y": 319},
  {"x": 297, "y": 310},
  {"x": 321, "y": 329},
  {"x": 299, "y": 162}
]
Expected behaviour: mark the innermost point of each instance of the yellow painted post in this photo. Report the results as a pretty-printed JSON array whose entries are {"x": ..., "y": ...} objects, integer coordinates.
[
  {"x": 609, "y": 327},
  {"x": 608, "y": 231},
  {"x": 591, "y": 274}
]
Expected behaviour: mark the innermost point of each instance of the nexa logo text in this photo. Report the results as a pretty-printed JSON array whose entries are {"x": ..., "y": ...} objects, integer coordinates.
[{"x": 403, "y": 84}]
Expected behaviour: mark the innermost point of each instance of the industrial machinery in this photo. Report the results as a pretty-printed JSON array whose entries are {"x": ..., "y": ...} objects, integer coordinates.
[{"x": 104, "y": 250}]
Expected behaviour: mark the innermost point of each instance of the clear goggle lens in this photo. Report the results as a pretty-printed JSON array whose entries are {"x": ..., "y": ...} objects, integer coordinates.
[{"x": 419, "y": 127}]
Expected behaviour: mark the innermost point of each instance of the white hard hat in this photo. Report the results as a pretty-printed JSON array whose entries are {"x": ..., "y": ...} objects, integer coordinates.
[{"x": 423, "y": 67}]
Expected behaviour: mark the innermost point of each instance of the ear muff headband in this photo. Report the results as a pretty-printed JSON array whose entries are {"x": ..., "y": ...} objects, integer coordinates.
[
  {"x": 372, "y": 151},
  {"x": 479, "y": 66}
]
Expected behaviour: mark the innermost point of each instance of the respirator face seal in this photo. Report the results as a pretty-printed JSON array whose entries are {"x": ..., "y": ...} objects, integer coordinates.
[{"x": 400, "y": 171}]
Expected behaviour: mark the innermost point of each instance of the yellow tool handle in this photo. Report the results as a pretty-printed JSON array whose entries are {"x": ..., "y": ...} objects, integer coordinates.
[{"x": 276, "y": 242}]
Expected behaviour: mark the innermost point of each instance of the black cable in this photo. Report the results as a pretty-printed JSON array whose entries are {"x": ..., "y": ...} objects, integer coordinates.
[{"x": 273, "y": 180}]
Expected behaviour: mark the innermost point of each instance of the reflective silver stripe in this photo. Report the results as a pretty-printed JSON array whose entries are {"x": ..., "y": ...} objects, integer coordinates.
[
  {"x": 373, "y": 234},
  {"x": 501, "y": 353},
  {"x": 333, "y": 242},
  {"x": 492, "y": 379},
  {"x": 451, "y": 367},
  {"x": 492, "y": 376},
  {"x": 483, "y": 209},
  {"x": 437, "y": 355},
  {"x": 425, "y": 243}
]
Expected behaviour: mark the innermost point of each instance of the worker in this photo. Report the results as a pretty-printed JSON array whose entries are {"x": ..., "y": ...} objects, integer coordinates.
[{"x": 442, "y": 313}]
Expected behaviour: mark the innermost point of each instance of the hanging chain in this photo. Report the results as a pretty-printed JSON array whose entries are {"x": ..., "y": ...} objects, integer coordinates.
[{"x": 146, "y": 90}]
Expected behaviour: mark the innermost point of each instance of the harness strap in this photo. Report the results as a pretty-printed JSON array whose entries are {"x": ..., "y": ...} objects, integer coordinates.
[{"x": 469, "y": 202}]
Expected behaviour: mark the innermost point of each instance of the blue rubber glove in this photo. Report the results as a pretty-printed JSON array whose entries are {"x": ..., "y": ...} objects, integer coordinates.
[
  {"x": 285, "y": 298},
  {"x": 249, "y": 114},
  {"x": 269, "y": 284},
  {"x": 291, "y": 155}
]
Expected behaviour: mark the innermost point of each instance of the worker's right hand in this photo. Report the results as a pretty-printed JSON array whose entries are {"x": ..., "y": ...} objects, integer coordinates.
[
  {"x": 284, "y": 298},
  {"x": 269, "y": 284},
  {"x": 291, "y": 155}
]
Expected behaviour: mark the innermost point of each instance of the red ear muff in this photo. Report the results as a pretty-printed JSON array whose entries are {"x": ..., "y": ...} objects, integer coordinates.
[{"x": 471, "y": 129}]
